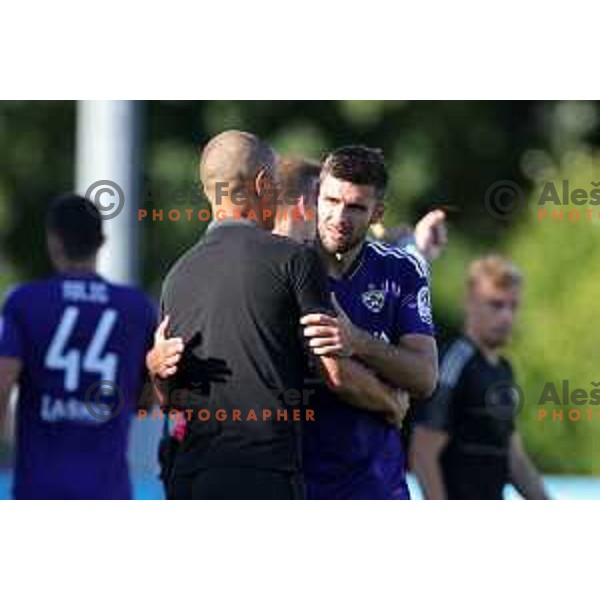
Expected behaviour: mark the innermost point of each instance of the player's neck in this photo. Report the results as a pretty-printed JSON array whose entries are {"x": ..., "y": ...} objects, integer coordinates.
[
  {"x": 492, "y": 355},
  {"x": 338, "y": 264},
  {"x": 86, "y": 267}
]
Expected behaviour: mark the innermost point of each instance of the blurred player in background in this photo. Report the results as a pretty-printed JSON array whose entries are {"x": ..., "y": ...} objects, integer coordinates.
[
  {"x": 59, "y": 339},
  {"x": 464, "y": 444}
]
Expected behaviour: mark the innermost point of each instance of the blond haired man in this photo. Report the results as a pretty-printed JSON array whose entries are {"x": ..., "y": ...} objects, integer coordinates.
[{"x": 464, "y": 444}]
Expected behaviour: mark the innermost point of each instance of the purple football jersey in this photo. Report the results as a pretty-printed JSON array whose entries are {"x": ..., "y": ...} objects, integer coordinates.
[
  {"x": 351, "y": 453},
  {"x": 72, "y": 332}
]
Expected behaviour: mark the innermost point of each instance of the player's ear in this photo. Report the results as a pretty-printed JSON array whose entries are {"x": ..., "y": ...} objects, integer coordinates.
[
  {"x": 300, "y": 206},
  {"x": 266, "y": 192},
  {"x": 378, "y": 213},
  {"x": 262, "y": 183}
]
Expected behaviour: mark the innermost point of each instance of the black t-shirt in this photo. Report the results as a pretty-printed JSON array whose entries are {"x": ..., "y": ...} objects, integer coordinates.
[
  {"x": 475, "y": 461},
  {"x": 237, "y": 298}
]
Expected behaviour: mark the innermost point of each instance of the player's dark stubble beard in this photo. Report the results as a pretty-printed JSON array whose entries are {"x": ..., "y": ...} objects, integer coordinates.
[
  {"x": 336, "y": 254},
  {"x": 351, "y": 242}
]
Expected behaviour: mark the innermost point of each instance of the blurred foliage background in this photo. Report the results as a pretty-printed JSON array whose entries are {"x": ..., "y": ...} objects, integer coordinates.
[{"x": 446, "y": 153}]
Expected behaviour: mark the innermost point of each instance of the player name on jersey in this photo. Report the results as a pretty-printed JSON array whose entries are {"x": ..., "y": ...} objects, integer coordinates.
[
  {"x": 96, "y": 292},
  {"x": 54, "y": 410}
]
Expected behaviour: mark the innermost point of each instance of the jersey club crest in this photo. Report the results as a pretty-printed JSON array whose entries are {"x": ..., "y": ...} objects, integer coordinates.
[{"x": 374, "y": 300}]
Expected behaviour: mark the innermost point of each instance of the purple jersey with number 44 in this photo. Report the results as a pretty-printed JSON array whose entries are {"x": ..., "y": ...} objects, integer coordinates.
[
  {"x": 72, "y": 332},
  {"x": 351, "y": 453}
]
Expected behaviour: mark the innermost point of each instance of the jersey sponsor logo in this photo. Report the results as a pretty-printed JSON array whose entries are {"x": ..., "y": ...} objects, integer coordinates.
[
  {"x": 424, "y": 305},
  {"x": 374, "y": 300}
]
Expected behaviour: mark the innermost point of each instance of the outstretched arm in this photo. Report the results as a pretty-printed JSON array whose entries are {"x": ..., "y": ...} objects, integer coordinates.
[{"x": 429, "y": 237}]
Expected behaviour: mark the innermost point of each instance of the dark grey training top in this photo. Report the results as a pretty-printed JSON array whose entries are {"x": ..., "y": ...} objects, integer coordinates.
[{"x": 237, "y": 297}]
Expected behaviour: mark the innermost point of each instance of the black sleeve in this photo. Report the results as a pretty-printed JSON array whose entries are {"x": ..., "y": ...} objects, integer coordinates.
[
  {"x": 308, "y": 279},
  {"x": 436, "y": 412}
]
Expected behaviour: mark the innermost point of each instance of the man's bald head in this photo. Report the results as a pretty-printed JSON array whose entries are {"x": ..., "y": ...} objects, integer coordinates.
[{"x": 235, "y": 159}]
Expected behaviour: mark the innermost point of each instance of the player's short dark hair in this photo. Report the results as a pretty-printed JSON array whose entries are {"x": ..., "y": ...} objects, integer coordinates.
[
  {"x": 76, "y": 221},
  {"x": 358, "y": 164}
]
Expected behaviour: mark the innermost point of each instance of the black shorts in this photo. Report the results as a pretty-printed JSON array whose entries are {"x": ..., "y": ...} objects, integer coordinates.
[{"x": 235, "y": 483}]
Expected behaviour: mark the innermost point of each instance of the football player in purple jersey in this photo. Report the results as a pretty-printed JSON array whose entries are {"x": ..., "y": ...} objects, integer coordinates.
[
  {"x": 74, "y": 344},
  {"x": 384, "y": 321}
]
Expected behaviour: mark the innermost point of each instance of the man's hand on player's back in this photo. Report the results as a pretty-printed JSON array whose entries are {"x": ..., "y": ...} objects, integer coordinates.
[{"x": 163, "y": 358}]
